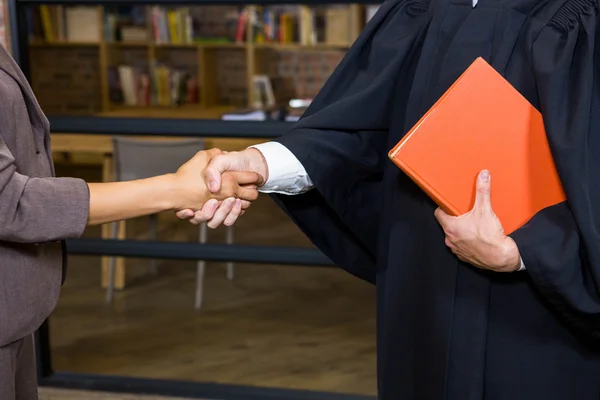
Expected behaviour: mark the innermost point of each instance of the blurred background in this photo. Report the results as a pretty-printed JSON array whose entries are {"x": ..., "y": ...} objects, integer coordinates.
[{"x": 292, "y": 327}]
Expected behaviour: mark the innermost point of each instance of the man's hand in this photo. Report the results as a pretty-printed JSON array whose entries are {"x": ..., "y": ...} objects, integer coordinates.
[
  {"x": 477, "y": 237},
  {"x": 215, "y": 212},
  {"x": 191, "y": 189}
]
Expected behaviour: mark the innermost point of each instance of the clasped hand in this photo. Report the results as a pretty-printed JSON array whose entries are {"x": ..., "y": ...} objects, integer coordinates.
[
  {"x": 216, "y": 212},
  {"x": 190, "y": 188}
]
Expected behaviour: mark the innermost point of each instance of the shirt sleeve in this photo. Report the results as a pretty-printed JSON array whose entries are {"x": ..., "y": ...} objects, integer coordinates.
[{"x": 287, "y": 175}]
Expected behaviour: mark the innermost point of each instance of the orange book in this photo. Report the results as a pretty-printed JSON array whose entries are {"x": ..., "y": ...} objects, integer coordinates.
[{"x": 482, "y": 122}]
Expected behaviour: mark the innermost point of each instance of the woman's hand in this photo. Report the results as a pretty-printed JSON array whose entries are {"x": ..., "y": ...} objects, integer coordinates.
[
  {"x": 214, "y": 212},
  {"x": 191, "y": 190},
  {"x": 477, "y": 237}
]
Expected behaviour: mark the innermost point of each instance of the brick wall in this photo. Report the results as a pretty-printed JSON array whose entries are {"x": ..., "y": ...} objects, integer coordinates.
[
  {"x": 308, "y": 69},
  {"x": 185, "y": 60},
  {"x": 136, "y": 57},
  {"x": 66, "y": 80},
  {"x": 215, "y": 21},
  {"x": 232, "y": 77}
]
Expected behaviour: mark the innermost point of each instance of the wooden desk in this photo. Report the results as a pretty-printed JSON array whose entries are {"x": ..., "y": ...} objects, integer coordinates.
[{"x": 99, "y": 150}]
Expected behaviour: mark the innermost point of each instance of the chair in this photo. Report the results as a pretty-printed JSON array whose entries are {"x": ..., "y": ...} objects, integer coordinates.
[{"x": 140, "y": 159}]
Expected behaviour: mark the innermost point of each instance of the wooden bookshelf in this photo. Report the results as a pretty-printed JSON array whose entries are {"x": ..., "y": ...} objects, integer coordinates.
[
  {"x": 256, "y": 54},
  {"x": 79, "y": 72}
]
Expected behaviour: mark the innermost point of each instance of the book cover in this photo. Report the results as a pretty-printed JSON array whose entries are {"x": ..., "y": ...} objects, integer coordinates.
[{"x": 482, "y": 122}]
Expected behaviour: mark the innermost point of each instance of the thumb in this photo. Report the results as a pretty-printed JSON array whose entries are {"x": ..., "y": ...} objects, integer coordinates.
[
  {"x": 483, "y": 201},
  {"x": 185, "y": 214},
  {"x": 246, "y": 178},
  {"x": 213, "y": 171}
]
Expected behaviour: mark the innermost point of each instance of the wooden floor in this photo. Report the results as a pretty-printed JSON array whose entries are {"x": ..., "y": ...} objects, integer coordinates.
[
  {"x": 275, "y": 326},
  {"x": 61, "y": 394}
]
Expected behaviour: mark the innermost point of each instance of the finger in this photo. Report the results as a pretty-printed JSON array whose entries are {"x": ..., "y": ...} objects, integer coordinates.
[
  {"x": 214, "y": 152},
  {"x": 236, "y": 211},
  {"x": 245, "y": 204},
  {"x": 483, "y": 200},
  {"x": 443, "y": 218},
  {"x": 449, "y": 243},
  {"x": 247, "y": 178},
  {"x": 222, "y": 212},
  {"x": 212, "y": 174},
  {"x": 246, "y": 193},
  {"x": 185, "y": 214},
  {"x": 206, "y": 212}
]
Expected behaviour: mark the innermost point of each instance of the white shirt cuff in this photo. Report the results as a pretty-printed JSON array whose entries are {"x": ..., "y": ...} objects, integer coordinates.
[
  {"x": 522, "y": 267},
  {"x": 286, "y": 173}
]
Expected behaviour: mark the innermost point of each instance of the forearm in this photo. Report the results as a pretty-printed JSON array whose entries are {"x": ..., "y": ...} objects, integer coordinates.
[{"x": 115, "y": 201}]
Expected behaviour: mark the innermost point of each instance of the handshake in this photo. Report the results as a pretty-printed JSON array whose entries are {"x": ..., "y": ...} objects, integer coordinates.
[{"x": 217, "y": 187}]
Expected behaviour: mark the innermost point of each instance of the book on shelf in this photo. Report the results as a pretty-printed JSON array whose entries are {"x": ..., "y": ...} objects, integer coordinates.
[
  {"x": 336, "y": 25},
  {"x": 174, "y": 25},
  {"x": 63, "y": 23},
  {"x": 159, "y": 86},
  {"x": 332, "y": 25}
]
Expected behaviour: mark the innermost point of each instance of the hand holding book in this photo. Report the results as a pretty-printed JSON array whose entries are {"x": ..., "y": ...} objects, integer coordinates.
[{"x": 478, "y": 237}]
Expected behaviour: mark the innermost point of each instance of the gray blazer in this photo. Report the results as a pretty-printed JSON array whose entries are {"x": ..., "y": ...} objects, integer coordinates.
[{"x": 37, "y": 210}]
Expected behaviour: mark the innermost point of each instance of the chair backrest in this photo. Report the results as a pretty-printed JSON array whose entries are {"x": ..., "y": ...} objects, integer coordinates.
[{"x": 144, "y": 158}]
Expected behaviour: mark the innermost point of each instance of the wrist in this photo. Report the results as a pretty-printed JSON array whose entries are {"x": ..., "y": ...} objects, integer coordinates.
[
  {"x": 167, "y": 188},
  {"x": 258, "y": 163},
  {"x": 513, "y": 257}
]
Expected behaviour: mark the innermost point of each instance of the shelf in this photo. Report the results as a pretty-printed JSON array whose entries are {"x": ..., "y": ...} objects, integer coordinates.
[
  {"x": 192, "y": 111},
  {"x": 301, "y": 47},
  {"x": 223, "y": 70},
  {"x": 41, "y": 43},
  {"x": 207, "y": 45},
  {"x": 216, "y": 45},
  {"x": 198, "y": 45},
  {"x": 128, "y": 44}
]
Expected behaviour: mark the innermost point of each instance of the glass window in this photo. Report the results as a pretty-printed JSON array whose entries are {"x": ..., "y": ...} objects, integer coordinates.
[{"x": 264, "y": 325}]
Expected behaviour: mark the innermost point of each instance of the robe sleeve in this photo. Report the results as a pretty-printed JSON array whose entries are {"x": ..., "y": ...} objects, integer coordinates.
[
  {"x": 342, "y": 140},
  {"x": 560, "y": 246}
]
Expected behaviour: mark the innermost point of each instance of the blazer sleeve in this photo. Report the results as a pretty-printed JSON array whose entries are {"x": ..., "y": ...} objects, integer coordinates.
[
  {"x": 560, "y": 246},
  {"x": 36, "y": 210},
  {"x": 342, "y": 140}
]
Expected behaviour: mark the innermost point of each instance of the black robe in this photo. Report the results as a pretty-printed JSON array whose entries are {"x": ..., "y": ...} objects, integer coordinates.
[{"x": 447, "y": 330}]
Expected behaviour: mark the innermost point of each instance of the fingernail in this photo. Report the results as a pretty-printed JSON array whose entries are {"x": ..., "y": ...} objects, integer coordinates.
[
  {"x": 485, "y": 176},
  {"x": 212, "y": 186}
]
